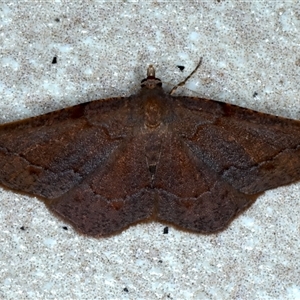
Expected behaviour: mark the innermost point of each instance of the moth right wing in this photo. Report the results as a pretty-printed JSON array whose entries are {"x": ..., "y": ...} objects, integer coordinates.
[{"x": 252, "y": 151}]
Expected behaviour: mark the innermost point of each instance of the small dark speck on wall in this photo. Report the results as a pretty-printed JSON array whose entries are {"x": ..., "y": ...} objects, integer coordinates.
[
  {"x": 181, "y": 68},
  {"x": 166, "y": 230},
  {"x": 54, "y": 60}
]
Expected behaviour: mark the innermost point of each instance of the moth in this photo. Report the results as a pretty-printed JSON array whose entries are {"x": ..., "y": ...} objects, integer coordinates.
[{"x": 107, "y": 164}]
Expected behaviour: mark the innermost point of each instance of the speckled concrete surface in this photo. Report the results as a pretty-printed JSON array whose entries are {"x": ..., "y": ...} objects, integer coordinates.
[{"x": 251, "y": 58}]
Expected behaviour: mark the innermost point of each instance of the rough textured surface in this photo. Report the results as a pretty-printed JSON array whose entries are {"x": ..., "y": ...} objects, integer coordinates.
[
  {"x": 250, "y": 58},
  {"x": 107, "y": 164}
]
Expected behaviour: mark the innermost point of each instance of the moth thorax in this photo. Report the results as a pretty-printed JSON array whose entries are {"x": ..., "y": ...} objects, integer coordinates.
[{"x": 153, "y": 113}]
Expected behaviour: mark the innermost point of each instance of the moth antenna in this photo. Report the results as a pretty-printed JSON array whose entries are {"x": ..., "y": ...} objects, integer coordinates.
[{"x": 186, "y": 79}]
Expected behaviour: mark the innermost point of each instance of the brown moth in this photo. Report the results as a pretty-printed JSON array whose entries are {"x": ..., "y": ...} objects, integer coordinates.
[{"x": 191, "y": 162}]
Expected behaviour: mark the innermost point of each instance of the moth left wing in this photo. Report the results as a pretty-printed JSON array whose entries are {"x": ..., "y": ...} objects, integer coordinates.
[{"x": 50, "y": 154}]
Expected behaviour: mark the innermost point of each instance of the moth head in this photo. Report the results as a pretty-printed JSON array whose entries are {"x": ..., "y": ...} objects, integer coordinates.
[{"x": 151, "y": 82}]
